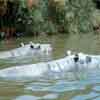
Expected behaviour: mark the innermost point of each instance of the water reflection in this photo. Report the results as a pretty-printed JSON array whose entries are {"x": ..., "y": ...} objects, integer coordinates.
[
  {"x": 45, "y": 89},
  {"x": 89, "y": 96},
  {"x": 30, "y": 97},
  {"x": 27, "y": 97},
  {"x": 79, "y": 85}
]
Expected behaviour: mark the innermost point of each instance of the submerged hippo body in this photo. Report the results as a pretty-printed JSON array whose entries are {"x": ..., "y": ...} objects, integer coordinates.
[
  {"x": 36, "y": 70},
  {"x": 57, "y": 66},
  {"x": 25, "y": 50}
]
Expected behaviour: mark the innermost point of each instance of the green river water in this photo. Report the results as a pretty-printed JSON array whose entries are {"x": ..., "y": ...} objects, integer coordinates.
[{"x": 80, "y": 86}]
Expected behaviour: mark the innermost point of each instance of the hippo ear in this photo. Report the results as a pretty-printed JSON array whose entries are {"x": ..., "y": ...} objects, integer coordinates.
[
  {"x": 31, "y": 43},
  {"x": 80, "y": 54},
  {"x": 68, "y": 53},
  {"x": 22, "y": 44}
]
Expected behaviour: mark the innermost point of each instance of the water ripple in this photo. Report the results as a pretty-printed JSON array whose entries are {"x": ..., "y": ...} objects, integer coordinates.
[{"x": 89, "y": 96}]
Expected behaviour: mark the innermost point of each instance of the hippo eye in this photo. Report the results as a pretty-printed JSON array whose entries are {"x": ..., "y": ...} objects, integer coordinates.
[{"x": 76, "y": 58}]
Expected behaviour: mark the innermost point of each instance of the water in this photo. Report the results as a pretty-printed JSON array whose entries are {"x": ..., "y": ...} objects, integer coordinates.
[{"x": 84, "y": 85}]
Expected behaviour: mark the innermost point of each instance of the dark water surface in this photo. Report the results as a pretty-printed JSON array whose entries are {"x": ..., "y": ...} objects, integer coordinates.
[{"x": 71, "y": 86}]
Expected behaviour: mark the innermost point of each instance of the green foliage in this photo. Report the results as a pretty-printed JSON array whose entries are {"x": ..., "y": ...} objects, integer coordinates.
[
  {"x": 53, "y": 16},
  {"x": 78, "y": 15}
]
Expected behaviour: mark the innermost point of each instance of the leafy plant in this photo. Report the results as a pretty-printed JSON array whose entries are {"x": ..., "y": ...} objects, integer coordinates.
[{"x": 51, "y": 16}]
